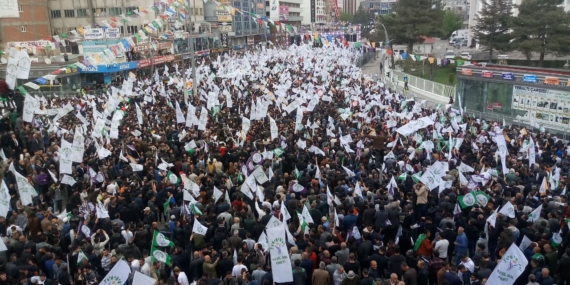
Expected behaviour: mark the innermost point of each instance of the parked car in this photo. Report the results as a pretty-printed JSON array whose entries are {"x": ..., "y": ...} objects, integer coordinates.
[
  {"x": 466, "y": 55},
  {"x": 449, "y": 54}
]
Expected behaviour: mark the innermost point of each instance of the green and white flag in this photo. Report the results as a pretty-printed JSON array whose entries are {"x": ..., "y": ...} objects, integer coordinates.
[
  {"x": 195, "y": 210},
  {"x": 159, "y": 255},
  {"x": 118, "y": 275},
  {"x": 81, "y": 256},
  {"x": 403, "y": 176},
  {"x": 467, "y": 200},
  {"x": 482, "y": 198},
  {"x": 304, "y": 224},
  {"x": 534, "y": 215},
  {"x": 173, "y": 178},
  {"x": 199, "y": 228},
  {"x": 297, "y": 173},
  {"x": 159, "y": 239},
  {"x": 279, "y": 151}
]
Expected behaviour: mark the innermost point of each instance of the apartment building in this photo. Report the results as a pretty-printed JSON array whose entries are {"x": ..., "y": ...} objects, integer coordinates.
[{"x": 25, "y": 23}]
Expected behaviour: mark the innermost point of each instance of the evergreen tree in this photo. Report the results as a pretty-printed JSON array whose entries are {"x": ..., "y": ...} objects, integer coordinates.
[
  {"x": 452, "y": 21},
  {"x": 542, "y": 27},
  {"x": 493, "y": 25},
  {"x": 411, "y": 20}
]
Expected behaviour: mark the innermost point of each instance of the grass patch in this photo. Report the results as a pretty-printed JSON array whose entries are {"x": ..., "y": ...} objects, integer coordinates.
[{"x": 441, "y": 73}]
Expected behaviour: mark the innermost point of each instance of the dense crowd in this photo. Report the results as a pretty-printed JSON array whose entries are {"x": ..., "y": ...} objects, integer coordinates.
[{"x": 373, "y": 188}]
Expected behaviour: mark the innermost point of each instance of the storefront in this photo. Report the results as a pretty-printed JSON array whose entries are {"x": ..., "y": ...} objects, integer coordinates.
[
  {"x": 530, "y": 96},
  {"x": 107, "y": 73},
  {"x": 218, "y": 51}
]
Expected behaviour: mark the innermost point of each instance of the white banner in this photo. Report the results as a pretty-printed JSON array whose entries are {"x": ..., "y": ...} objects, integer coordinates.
[
  {"x": 78, "y": 146},
  {"x": 430, "y": 180},
  {"x": 4, "y": 199},
  {"x": 273, "y": 128},
  {"x": 113, "y": 33},
  {"x": 179, "y": 115},
  {"x": 65, "y": 159},
  {"x": 24, "y": 65},
  {"x": 30, "y": 106},
  {"x": 26, "y": 190},
  {"x": 139, "y": 115},
  {"x": 509, "y": 268},
  {"x": 413, "y": 126},
  {"x": 280, "y": 262},
  {"x": 94, "y": 34},
  {"x": 203, "y": 119}
]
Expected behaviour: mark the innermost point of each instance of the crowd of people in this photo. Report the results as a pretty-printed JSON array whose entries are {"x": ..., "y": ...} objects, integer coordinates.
[{"x": 372, "y": 187}]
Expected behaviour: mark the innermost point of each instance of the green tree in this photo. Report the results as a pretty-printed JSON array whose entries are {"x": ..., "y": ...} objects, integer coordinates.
[
  {"x": 541, "y": 27},
  {"x": 346, "y": 17},
  {"x": 493, "y": 25},
  {"x": 411, "y": 20},
  {"x": 452, "y": 21},
  {"x": 361, "y": 17}
]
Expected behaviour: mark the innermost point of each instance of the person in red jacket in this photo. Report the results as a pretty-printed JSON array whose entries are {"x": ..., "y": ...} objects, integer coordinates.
[{"x": 425, "y": 248}]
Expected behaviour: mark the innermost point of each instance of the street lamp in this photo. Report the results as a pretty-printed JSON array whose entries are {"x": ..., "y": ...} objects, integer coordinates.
[{"x": 390, "y": 43}]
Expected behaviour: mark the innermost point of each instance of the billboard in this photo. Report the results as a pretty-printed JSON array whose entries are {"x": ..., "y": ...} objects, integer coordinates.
[
  {"x": 544, "y": 106},
  {"x": 283, "y": 13},
  {"x": 274, "y": 10},
  {"x": 9, "y": 9}
]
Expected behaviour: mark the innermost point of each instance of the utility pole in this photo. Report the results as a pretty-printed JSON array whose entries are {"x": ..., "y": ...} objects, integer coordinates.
[
  {"x": 390, "y": 43},
  {"x": 193, "y": 56}
]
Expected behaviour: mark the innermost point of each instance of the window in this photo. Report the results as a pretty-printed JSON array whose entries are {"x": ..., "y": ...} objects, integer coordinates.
[
  {"x": 82, "y": 13},
  {"x": 23, "y": 29},
  {"x": 20, "y": 9},
  {"x": 132, "y": 29},
  {"x": 115, "y": 11},
  {"x": 266, "y": 3},
  {"x": 100, "y": 12},
  {"x": 131, "y": 9},
  {"x": 55, "y": 14},
  {"x": 267, "y": 14},
  {"x": 69, "y": 13}
]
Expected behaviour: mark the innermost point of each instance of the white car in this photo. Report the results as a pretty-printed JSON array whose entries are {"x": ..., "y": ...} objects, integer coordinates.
[
  {"x": 466, "y": 55},
  {"x": 449, "y": 54}
]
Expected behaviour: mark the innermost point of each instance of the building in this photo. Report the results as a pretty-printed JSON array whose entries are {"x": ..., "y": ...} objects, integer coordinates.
[
  {"x": 313, "y": 12},
  {"x": 378, "y": 7},
  {"x": 461, "y": 7},
  {"x": 523, "y": 95},
  {"x": 25, "y": 23},
  {"x": 350, "y": 6}
]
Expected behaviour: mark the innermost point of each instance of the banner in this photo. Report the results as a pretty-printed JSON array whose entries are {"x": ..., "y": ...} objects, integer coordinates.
[
  {"x": 545, "y": 106},
  {"x": 280, "y": 262},
  {"x": 94, "y": 34},
  {"x": 30, "y": 106},
  {"x": 4, "y": 199},
  {"x": 65, "y": 161},
  {"x": 510, "y": 267},
  {"x": 78, "y": 146},
  {"x": 26, "y": 190},
  {"x": 273, "y": 128},
  {"x": 413, "y": 126}
]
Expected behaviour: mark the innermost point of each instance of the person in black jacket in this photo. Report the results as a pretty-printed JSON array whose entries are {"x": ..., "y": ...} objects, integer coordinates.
[
  {"x": 366, "y": 278},
  {"x": 423, "y": 273}
]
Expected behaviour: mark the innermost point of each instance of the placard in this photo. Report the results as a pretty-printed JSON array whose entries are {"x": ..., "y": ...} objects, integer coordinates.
[{"x": 544, "y": 106}]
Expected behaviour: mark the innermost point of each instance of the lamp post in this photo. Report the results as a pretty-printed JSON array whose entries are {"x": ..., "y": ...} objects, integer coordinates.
[
  {"x": 192, "y": 54},
  {"x": 390, "y": 43}
]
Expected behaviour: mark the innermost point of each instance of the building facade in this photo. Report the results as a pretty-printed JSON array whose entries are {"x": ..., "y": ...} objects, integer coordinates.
[
  {"x": 313, "y": 12},
  {"x": 29, "y": 23}
]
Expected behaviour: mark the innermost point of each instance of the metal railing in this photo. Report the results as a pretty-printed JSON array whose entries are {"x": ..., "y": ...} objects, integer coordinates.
[
  {"x": 364, "y": 59},
  {"x": 434, "y": 88}
]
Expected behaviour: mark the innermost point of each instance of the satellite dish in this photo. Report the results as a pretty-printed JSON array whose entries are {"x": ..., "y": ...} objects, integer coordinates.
[
  {"x": 3, "y": 60},
  {"x": 47, "y": 60}
]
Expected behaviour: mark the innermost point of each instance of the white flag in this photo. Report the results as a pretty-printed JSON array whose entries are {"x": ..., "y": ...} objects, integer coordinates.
[
  {"x": 4, "y": 199},
  {"x": 273, "y": 128},
  {"x": 68, "y": 180},
  {"x": 534, "y": 215},
  {"x": 349, "y": 172},
  {"x": 141, "y": 279},
  {"x": 465, "y": 168},
  {"x": 118, "y": 275},
  {"x": 198, "y": 228},
  {"x": 508, "y": 210},
  {"x": 285, "y": 212},
  {"x": 139, "y": 115},
  {"x": 217, "y": 194},
  {"x": 179, "y": 116},
  {"x": 26, "y": 190},
  {"x": 525, "y": 243},
  {"x": 280, "y": 261},
  {"x": 511, "y": 266}
]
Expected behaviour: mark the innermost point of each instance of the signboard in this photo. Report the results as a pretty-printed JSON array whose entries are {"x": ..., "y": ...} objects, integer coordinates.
[
  {"x": 552, "y": 81},
  {"x": 529, "y": 78},
  {"x": 225, "y": 18},
  {"x": 283, "y": 13},
  {"x": 94, "y": 34},
  {"x": 31, "y": 45},
  {"x": 225, "y": 28},
  {"x": 274, "y": 10},
  {"x": 260, "y": 6},
  {"x": 224, "y": 39},
  {"x": 113, "y": 33},
  {"x": 9, "y": 9},
  {"x": 216, "y": 51},
  {"x": 250, "y": 41},
  {"x": 160, "y": 45},
  {"x": 466, "y": 71},
  {"x": 508, "y": 76},
  {"x": 93, "y": 47},
  {"x": 545, "y": 106},
  {"x": 109, "y": 68},
  {"x": 487, "y": 74},
  {"x": 157, "y": 60},
  {"x": 211, "y": 18}
]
